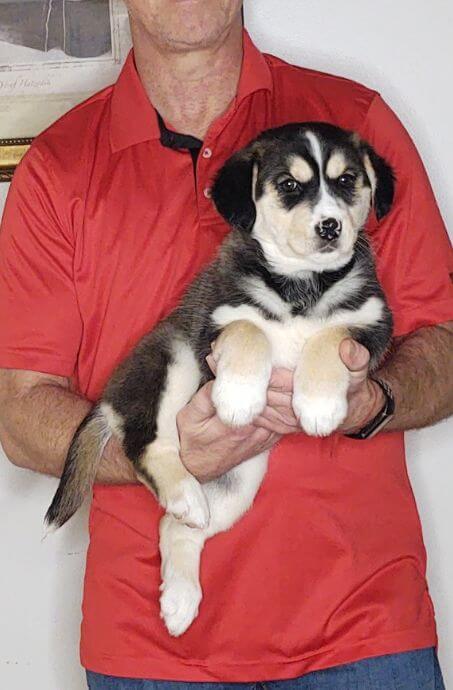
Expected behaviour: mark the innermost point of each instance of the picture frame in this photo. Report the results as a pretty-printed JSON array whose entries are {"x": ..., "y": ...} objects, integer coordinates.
[
  {"x": 11, "y": 153},
  {"x": 54, "y": 54}
]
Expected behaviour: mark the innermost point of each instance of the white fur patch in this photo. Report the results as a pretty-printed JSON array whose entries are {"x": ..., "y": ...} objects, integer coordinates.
[
  {"x": 320, "y": 416},
  {"x": 183, "y": 379},
  {"x": 114, "y": 420},
  {"x": 238, "y": 400},
  {"x": 179, "y": 602},
  {"x": 265, "y": 297},
  {"x": 327, "y": 206},
  {"x": 187, "y": 503},
  {"x": 340, "y": 291}
]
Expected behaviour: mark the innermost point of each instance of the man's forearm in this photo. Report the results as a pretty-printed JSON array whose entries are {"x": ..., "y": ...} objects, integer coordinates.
[
  {"x": 420, "y": 372},
  {"x": 37, "y": 425}
]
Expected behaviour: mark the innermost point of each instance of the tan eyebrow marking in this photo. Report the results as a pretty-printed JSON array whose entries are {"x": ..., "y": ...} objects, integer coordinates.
[
  {"x": 370, "y": 172},
  {"x": 336, "y": 165},
  {"x": 300, "y": 169}
]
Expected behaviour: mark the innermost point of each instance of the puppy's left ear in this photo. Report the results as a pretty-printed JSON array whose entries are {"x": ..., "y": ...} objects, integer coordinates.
[
  {"x": 232, "y": 191},
  {"x": 382, "y": 179}
]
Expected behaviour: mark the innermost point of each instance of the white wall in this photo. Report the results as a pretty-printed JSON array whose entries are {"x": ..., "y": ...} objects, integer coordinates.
[{"x": 402, "y": 48}]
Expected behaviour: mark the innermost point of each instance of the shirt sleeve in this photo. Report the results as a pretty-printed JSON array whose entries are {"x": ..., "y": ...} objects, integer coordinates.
[
  {"x": 40, "y": 324},
  {"x": 414, "y": 253}
]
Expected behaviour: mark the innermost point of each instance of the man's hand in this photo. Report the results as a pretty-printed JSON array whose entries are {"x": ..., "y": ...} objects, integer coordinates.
[
  {"x": 365, "y": 396},
  {"x": 208, "y": 447}
]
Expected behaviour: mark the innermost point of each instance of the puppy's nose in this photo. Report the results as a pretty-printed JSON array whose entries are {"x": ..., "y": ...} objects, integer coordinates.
[{"x": 328, "y": 229}]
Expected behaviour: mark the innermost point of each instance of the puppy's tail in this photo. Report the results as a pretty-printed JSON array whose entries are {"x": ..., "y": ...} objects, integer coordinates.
[{"x": 80, "y": 468}]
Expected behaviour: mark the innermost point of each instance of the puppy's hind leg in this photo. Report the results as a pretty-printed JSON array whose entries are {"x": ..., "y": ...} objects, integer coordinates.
[
  {"x": 229, "y": 498},
  {"x": 180, "y": 548},
  {"x": 159, "y": 464}
]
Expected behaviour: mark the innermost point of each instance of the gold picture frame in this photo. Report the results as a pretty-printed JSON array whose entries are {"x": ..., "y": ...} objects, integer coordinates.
[{"x": 11, "y": 153}]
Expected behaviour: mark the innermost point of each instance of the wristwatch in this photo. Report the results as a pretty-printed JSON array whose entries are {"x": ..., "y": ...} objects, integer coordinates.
[{"x": 382, "y": 418}]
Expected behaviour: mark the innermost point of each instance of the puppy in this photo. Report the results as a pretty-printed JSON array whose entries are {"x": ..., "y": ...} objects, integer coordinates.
[{"x": 292, "y": 279}]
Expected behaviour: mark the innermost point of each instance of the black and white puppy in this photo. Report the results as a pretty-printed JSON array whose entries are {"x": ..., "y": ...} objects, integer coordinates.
[{"x": 292, "y": 279}]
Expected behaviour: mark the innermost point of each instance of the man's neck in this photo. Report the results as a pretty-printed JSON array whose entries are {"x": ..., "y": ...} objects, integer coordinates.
[{"x": 190, "y": 89}]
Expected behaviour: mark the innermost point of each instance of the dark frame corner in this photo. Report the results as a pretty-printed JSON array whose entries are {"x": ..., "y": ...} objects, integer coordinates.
[{"x": 11, "y": 153}]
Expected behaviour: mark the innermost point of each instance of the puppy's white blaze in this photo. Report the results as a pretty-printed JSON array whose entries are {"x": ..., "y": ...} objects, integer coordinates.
[
  {"x": 288, "y": 337},
  {"x": 339, "y": 292},
  {"x": 327, "y": 205},
  {"x": 113, "y": 419},
  {"x": 183, "y": 379},
  {"x": 316, "y": 150},
  {"x": 264, "y": 296}
]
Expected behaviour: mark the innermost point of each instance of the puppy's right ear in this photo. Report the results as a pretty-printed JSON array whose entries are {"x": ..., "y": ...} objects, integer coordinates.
[{"x": 232, "y": 190}]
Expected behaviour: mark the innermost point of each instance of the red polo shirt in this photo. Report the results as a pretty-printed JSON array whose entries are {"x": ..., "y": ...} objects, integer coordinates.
[{"x": 103, "y": 229}]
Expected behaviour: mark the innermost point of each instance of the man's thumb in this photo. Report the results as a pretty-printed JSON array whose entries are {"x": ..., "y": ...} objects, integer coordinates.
[{"x": 354, "y": 355}]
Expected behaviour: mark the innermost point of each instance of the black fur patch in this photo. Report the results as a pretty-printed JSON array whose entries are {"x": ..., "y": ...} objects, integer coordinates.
[{"x": 136, "y": 389}]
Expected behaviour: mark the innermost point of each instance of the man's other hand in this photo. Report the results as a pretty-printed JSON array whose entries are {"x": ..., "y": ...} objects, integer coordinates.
[
  {"x": 365, "y": 396},
  {"x": 209, "y": 448}
]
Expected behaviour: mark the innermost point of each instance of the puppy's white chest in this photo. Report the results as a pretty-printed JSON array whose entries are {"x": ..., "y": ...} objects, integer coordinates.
[{"x": 287, "y": 337}]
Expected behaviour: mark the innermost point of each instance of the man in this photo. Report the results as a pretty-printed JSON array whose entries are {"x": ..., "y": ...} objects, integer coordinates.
[{"x": 108, "y": 219}]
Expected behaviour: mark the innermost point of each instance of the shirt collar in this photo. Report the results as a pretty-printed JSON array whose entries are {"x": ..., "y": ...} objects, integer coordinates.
[{"x": 133, "y": 119}]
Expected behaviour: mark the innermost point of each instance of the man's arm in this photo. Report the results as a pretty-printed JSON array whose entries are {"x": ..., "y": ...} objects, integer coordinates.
[
  {"x": 420, "y": 374},
  {"x": 39, "y": 415},
  {"x": 419, "y": 370}
]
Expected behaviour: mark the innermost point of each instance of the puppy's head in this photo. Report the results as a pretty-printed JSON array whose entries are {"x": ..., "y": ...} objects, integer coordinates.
[{"x": 304, "y": 191}]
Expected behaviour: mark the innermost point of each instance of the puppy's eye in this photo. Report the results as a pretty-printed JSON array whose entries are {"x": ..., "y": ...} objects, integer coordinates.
[
  {"x": 347, "y": 179},
  {"x": 289, "y": 184}
]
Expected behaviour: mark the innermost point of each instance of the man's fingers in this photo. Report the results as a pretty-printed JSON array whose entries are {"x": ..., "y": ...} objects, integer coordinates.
[
  {"x": 276, "y": 426},
  {"x": 212, "y": 364},
  {"x": 267, "y": 438},
  {"x": 279, "y": 399},
  {"x": 281, "y": 380},
  {"x": 354, "y": 356},
  {"x": 279, "y": 421},
  {"x": 281, "y": 413},
  {"x": 201, "y": 402}
]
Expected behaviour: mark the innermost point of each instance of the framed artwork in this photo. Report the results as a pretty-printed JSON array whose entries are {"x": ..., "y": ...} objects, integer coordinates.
[{"x": 53, "y": 55}]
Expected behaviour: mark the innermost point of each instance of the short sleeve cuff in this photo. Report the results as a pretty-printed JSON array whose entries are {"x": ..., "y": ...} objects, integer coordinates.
[
  {"x": 409, "y": 320},
  {"x": 46, "y": 364}
]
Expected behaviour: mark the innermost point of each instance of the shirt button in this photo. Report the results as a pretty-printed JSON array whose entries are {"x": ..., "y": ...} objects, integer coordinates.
[
  {"x": 207, "y": 153},
  {"x": 207, "y": 192}
]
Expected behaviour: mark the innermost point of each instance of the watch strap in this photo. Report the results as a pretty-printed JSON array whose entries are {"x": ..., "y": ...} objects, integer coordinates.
[{"x": 382, "y": 418}]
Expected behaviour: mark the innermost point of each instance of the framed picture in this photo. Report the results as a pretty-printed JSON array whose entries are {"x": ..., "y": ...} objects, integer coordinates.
[
  {"x": 11, "y": 152},
  {"x": 53, "y": 55}
]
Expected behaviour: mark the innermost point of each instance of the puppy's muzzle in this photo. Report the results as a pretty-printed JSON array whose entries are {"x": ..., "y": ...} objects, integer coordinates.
[{"x": 328, "y": 229}]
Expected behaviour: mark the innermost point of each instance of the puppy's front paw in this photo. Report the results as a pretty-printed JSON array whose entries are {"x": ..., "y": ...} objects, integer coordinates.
[
  {"x": 179, "y": 602},
  {"x": 320, "y": 415},
  {"x": 187, "y": 503},
  {"x": 238, "y": 400}
]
